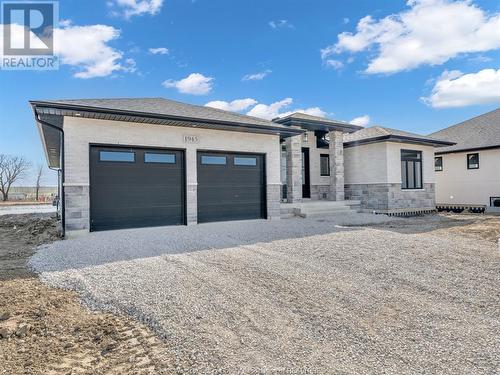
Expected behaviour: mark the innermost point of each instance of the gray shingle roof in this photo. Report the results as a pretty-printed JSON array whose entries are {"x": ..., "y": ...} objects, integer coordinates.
[
  {"x": 379, "y": 132},
  {"x": 479, "y": 132},
  {"x": 310, "y": 122},
  {"x": 167, "y": 107},
  {"x": 304, "y": 116}
]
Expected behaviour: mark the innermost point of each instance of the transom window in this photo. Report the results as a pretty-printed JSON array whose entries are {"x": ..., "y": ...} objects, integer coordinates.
[
  {"x": 248, "y": 161},
  {"x": 119, "y": 156},
  {"x": 411, "y": 169},
  {"x": 150, "y": 157},
  {"x": 473, "y": 161},
  {"x": 324, "y": 164},
  {"x": 215, "y": 160},
  {"x": 438, "y": 163}
]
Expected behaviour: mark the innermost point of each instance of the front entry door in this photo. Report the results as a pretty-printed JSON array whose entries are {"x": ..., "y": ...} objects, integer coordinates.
[{"x": 306, "y": 182}]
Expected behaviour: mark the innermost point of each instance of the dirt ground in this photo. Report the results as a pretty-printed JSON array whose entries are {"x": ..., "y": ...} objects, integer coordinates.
[
  {"x": 47, "y": 331},
  {"x": 19, "y": 236},
  {"x": 481, "y": 226}
]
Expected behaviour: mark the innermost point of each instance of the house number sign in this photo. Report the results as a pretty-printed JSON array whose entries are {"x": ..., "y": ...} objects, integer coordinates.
[{"x": 191, "y": 139}]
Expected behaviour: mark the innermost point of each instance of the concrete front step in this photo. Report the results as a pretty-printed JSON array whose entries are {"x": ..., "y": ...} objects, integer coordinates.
[{"x": 319, "y": 208}]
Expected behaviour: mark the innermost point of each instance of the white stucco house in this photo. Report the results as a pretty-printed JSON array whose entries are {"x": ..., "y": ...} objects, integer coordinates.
[
  {"x": 127, "y": 163},
  {"x": 468, "y": 173}
]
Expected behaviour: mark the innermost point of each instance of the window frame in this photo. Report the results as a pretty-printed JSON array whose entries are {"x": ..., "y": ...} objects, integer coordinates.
[
  {"x": 493, "y": 199},
  {"x": 327, "y": 156},
  {"x": 442, "y": 168},
  {"x": 414, "y": 161},
  {"x": 254, "y": 158},
  {"x": 117, "y": 152},
  {"x": 159, "y": 162},
  {"x": 213, "y": 156},
  {"x": 467, "y": 160}
]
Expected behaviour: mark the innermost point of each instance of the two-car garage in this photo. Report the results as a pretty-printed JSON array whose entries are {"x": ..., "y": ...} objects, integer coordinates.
[
  {"x": 141, "y": 162},
  {"x": 141, "y": 187}
]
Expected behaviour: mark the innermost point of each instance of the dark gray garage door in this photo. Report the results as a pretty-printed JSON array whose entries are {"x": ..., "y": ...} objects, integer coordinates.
[
  {"x": 230, "y": 186},
  {"x": 135, "y": 187}
]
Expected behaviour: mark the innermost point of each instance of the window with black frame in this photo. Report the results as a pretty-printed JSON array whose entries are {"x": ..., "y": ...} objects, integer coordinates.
[
  {"x": 438, "y": 163},
  {"x": 411, "y": 169},
  {"x": 473, "y": 161},
  {"x": 324, "y": 165}
]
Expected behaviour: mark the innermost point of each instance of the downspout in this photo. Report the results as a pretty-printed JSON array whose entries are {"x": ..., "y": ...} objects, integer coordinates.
[{"x": 59, "y": 170}]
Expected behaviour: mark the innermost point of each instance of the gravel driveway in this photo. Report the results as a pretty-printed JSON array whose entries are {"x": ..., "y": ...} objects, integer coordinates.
[{"x": 296, "y": 296}]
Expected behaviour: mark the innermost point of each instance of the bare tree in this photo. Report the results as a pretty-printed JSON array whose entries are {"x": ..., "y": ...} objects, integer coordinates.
[
  {"x": 39, "y": 174},
  {"x": 12, "y": 168}
]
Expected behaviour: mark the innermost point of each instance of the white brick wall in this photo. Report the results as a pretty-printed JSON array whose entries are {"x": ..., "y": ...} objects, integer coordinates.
[{"x": 79, "y": 133}]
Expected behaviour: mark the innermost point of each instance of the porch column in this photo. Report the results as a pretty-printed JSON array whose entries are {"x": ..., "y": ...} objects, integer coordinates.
[
  {"x": 336, "y": 152},
  {"x": 294, "y": 169}
]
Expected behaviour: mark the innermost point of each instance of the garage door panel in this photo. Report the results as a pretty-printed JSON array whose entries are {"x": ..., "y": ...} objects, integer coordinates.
[
  {"x": 230, "y": 191},
  {"x": 138, "y": 193}
]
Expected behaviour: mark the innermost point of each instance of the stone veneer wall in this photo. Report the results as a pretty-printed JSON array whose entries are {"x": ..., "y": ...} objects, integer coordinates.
[
  {"x": 76, "y": 207},
  {"x": 387, "y": 197},
  {"x": 273, "y": 192},
  {"x": 320, "y": 192}
]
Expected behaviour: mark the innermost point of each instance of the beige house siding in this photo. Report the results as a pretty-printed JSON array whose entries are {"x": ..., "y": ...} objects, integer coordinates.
[
  {"x": 373, "y": 176},
  {"x": 456, "y": 184}
]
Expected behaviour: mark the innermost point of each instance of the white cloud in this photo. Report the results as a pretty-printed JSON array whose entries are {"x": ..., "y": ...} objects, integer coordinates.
[
  {"x": 129, "y": 8},
  {"x": 195, "y": 84},
  {"x": 274, "y": 110},
  {"x": 431, "y": 32},
  {"x": 256, "y": 76},
  {"x": 361, "y": 121},
  {"x": 335, "y": 64},
  {"x": 234, "y": 106},
  {"x": 159, "y": 51},
  {"x": 455, "y": 89},
  {"x": 270, "y": 111},
  {"x": 281, "y": 24},
  {"x": 86, "y": 47}
]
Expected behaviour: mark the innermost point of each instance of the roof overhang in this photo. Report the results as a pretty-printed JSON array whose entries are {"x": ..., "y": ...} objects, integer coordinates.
[
  {"x": 49, "y": 116},
  {"x": 400, "y": 139},
  {"x": 313, "y": 125},
  {"x": 59, "y": 109}
]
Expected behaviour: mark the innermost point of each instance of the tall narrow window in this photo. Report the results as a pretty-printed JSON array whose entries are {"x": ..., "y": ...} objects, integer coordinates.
[
  {"x": 411, "y": 169},
  {"x": 473, "y": 161},
  {"x": 438, "y": 163},
  {"x": 324, "y": 164}
]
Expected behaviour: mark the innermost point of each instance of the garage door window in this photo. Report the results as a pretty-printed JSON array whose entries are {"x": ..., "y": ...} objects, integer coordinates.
[
  {"x": 119, "y": 156},
  {"x": 245, "y": 161},
  {"x": 159, "y": 158},
  {"x": 215, "y": 160}
]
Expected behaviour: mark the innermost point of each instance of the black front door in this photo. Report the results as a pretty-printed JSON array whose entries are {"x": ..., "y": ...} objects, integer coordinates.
[
  {"x": 306, "y": 179},
  {"x": 134, "y": 187}
]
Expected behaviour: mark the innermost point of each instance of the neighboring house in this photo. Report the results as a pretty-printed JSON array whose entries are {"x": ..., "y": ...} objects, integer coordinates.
[
  {"x": 147, "y": 162},
  {"x": 468, "y": 173}
]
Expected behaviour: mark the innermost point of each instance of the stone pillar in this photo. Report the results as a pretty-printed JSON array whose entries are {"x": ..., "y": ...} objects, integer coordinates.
[
  {"x": 294, "y": 169},
  {"x": 336, "y": 152}
]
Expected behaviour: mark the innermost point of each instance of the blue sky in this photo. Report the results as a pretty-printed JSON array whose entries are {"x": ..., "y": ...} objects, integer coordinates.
[{"x": 417, "y": 66}]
